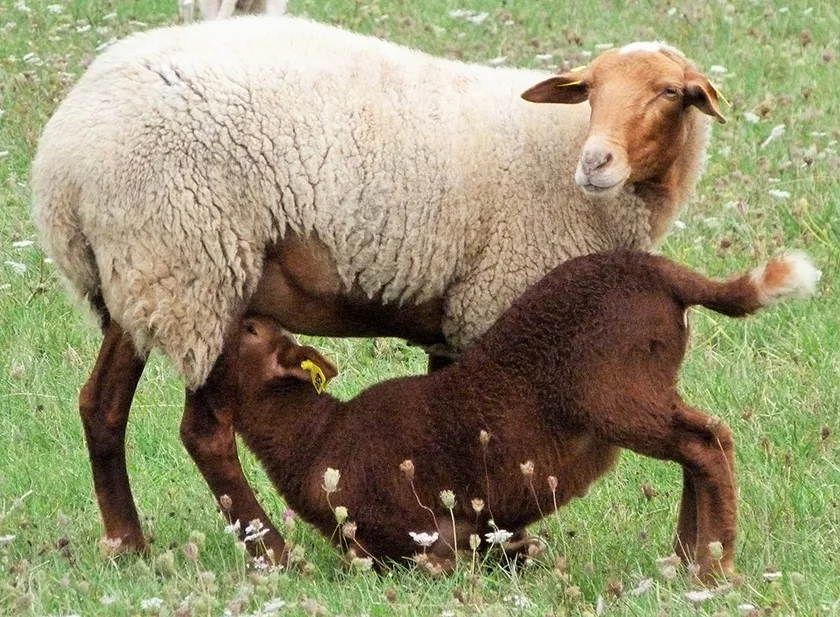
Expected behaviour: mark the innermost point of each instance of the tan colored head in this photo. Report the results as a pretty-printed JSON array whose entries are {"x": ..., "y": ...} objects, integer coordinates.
[
  {"x": 265, "y": 353},
  {"x": 641, "y": 96}
]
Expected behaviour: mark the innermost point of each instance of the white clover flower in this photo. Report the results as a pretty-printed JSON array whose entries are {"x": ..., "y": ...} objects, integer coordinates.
[
  {"x": 151, "y": 604},
  {"x": 331, "y": 478},
  {"x": 500, "y": 536},
  {"x": 17, "y": 267},
  {"x": 424, "y": 539},
  {"x": 273, "y": 606},
  {"x": 700, "y": 596}
]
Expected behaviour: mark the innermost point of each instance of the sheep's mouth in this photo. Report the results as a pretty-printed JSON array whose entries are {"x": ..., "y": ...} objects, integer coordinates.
[{"x": 594, "y": 189}]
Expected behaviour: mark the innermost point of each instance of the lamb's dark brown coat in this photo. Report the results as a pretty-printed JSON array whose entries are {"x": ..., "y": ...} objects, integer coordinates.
[{"x": 583, "y": 364}]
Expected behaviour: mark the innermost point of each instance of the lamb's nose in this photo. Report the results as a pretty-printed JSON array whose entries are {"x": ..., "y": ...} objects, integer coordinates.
[{"x": 594, "y": 158}]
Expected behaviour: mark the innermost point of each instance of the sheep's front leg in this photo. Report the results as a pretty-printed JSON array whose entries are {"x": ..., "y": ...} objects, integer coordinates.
[
  {"x": 104, "y": 404},
  {"x": 208, "y": 435}
]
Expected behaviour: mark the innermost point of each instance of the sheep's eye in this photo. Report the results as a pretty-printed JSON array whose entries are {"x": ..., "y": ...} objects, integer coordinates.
[
  {"x": 671, "y": 92},
  {"x": 251, "y": 329}
]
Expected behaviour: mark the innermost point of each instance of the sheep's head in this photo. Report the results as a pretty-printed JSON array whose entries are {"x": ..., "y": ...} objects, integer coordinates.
[
  {"x": 266, "y": 354},
  {"x": 640, "y": 97}
]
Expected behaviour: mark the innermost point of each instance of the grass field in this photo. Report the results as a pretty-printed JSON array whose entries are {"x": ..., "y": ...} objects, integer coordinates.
[{"x": 774, "y": 378}]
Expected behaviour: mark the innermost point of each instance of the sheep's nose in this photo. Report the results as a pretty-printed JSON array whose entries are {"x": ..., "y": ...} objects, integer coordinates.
[{"x": 594, "y": 158}]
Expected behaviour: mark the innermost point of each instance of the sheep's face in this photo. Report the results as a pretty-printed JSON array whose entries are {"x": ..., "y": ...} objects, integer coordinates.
[
  {"x": 266, "y": 354},
  {"x": 640, "y": 97}
]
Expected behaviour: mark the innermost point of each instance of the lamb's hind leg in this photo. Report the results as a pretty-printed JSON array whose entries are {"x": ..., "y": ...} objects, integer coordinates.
[
  {"x": 104, "y": 404},
  {"x": 704, "y": 448},
  {"x": 208, "y": 435}
]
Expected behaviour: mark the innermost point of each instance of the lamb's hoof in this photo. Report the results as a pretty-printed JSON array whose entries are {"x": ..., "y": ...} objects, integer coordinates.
[{"x": 127, "y": 544}]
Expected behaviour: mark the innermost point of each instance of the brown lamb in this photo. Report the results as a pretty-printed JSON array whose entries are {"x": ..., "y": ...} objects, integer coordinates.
[{"x": 583, "y": 364}]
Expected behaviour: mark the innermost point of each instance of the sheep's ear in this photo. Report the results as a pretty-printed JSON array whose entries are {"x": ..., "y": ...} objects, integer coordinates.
[
  {"x": 568, "y": 88},
  {"x": 308, "y": 365},
  {"x": 700, "y": 92}
]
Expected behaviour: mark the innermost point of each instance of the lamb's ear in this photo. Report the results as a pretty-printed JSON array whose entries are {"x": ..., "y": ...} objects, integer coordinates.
[
  {"x": 569, "y": 87},
  {"x": 700, "y": 92},
  {"x": 307, "y": 364}
]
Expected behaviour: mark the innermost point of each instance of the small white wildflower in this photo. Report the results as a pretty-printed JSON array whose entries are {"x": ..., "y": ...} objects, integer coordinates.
[
  {"x": 645, "y": 585},
  {"x": 340, "y": 514},
  {"x": 331, "y": 478},
  {"x": 751, "y": 117},
  {"x": 700, "y": 596},
  {"x": 81, "y": 29},
  {"x": 600, "y": 606},
  {"x": 500, "y": 536},
  {"x": 362, "y": 564},
  {"x": 498, "y": 60},
  {"x": 807, "y": 11},
  {"x": 21, "y": 6},
  {"x": 109, "y": 16},
  {"x": 22, "y": 244},
  {"x": 544, "y": 57},
  {"x": 672, "y": 11},
  {"x": 17, "y": 267},
  {"x": 717, "y": 69},
  {"x": 478, "y": 18},
  {"x": 775, "y": 133},
  {"x": 772, "y": 576},
  {"x": 746, "y": 607},
  {"x": 6, "y": 540},
  {"x": 233, "y": 528},
  {"x": 778, "y": 194},
  {"x": 255, "y": 530},
  {"x": 273, "y": 606},
  {"x": 518, "y": 601},
  {"x": 784, "y": 9},
  {"x": 678, "y": 225},
  {"x": 151, "y": 604},
  {"x": 475, "y": 541},
  {"x": 424, "y": 539},
  {"x": 459, "y": 13},
  {"x": 55, "y": 8},
  {"x": 107, "y": 600}
]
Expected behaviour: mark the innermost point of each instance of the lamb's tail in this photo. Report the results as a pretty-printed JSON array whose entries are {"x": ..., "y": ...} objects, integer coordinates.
[
  {"x": 789, "y": 275},
  {"x": 56, "y": 217}
]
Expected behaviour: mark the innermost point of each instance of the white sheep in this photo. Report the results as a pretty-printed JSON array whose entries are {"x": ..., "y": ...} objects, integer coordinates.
[{"x": 341, "y": 184}]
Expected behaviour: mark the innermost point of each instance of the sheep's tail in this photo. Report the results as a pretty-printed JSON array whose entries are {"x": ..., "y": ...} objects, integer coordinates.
[
  {"x": 789, "y": 275},
  {"x": 56, "y": 217}
]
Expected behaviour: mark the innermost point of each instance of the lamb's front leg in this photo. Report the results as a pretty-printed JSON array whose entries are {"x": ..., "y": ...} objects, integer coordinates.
[{"x": 208, "y": 435}]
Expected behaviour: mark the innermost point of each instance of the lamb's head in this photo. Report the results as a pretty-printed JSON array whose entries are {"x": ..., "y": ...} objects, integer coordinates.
[
  {"x": 263, "y": 353},
  {"x": 641, "y": 97}
]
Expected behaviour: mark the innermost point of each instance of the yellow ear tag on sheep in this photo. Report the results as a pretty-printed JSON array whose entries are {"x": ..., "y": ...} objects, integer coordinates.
[
  {"x": 318, "y": 378},
  {"x": 571, "y": 83},
  {"x": 720, "y": 94}
]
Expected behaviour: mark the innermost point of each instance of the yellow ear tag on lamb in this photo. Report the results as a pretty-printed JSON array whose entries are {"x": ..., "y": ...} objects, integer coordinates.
[
  {"x": 318, "y": 378},
  {"x": 571, "y": 83}
]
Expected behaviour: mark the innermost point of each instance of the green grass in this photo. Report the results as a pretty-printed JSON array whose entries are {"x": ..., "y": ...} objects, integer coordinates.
[{"x": 775, "y": 377}]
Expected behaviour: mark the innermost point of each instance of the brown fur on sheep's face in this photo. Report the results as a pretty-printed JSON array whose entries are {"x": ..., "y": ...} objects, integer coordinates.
[{"x": 640, "y": 97}]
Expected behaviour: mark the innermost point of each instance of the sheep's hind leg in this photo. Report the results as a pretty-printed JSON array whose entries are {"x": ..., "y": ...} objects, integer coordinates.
[
  {"x": 104, "y": 404},
  {"x": 208, "y": 436}
]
